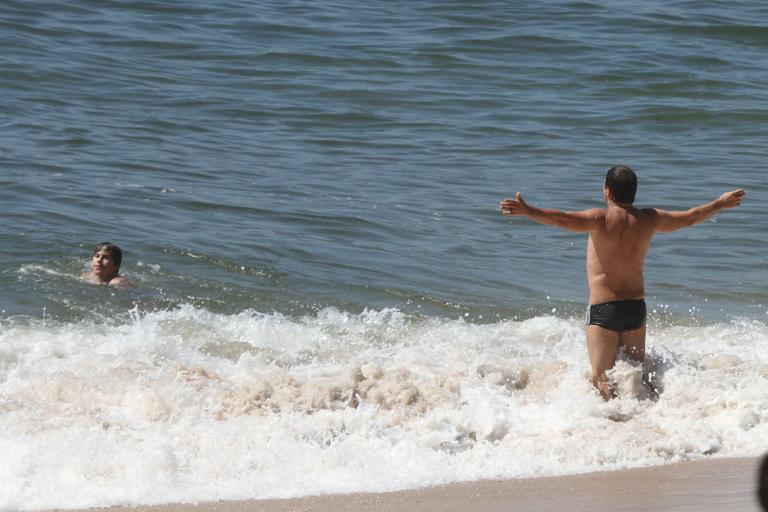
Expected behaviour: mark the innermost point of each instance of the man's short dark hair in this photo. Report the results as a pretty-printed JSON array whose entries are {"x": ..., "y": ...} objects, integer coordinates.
[
  {"x": 113, "y": 250},
  {"x": 622, "y": 182}
]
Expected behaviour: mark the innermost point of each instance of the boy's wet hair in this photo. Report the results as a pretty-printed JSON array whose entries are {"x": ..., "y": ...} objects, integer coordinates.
[
  {"x": 113, "y": 250},
  {"x": 622, "y": 182}
]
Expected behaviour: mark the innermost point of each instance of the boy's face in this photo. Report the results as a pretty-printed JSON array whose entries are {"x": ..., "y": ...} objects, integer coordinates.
[{"x": 103, "y": 265}]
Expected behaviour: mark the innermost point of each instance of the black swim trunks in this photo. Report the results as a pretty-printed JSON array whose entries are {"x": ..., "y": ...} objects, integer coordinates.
[{"x": 617, "y": 315}]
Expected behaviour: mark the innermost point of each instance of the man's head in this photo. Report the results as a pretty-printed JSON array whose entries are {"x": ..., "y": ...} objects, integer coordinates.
[
  {"x": 106, "y": 259},
  {"x": 621, "y": 183}
]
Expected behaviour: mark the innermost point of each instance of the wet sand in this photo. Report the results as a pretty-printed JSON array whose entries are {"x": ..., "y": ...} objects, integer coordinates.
[{"x": 716, "y": 485}]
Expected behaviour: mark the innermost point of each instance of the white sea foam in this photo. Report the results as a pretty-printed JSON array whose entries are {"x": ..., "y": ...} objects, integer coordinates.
[
  {"x": 41, "y": 269},
  {"x": 189, "y": 405}
]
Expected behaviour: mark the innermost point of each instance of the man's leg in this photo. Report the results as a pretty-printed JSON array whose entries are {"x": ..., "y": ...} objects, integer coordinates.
[
  {"x": 602, "y": 345},
  {"x": 634, "y": 343},
  {"x": 634, "y": 346}
]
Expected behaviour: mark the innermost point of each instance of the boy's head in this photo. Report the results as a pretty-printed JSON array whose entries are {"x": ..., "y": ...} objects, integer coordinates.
[
  {"x": 621, "y": 183},
  {"x": 112, "y": 250}
]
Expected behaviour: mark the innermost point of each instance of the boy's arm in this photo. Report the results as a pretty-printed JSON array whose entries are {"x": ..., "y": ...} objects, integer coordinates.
[
  {"x": 587, "y": 220},
  {"x": 671, "y": 221}
]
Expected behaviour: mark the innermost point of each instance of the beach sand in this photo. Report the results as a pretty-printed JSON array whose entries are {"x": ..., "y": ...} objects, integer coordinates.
[{"x": 720, "y": 485}]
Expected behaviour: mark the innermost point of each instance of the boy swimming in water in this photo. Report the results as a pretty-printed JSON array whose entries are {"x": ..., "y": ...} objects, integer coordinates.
[
  {"x": 619, "y": 237},
  {"x": 105, "y": 266}
]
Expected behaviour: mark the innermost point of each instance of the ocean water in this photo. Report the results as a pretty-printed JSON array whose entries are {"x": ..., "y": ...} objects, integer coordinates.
[{"x": 327, "y": 298}]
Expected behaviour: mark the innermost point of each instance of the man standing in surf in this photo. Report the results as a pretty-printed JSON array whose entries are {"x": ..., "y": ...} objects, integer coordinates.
[{"x": 619, "y": 237}]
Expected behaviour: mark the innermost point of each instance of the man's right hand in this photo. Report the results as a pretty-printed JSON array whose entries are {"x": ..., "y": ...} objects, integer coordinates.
[
  {"x": 514, "y": 206},
  {"x": 731, "y": 199}
]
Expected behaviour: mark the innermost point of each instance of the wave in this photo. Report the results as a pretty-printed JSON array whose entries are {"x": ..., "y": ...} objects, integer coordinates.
[{"x": 191, "y": 405}]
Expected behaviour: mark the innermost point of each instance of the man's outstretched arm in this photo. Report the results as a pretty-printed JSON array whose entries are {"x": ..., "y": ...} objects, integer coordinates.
[
  {"x": 672, "y": 221},
  {"x": 587, "y": 220}
]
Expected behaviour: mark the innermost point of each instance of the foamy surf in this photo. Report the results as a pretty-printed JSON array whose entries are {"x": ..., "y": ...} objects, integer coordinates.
[{"x": 189, "y": 405}]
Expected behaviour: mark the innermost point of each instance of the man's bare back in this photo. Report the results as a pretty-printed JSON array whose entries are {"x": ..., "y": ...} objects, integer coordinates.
[
  {"x": 616, "y": 254},
  {"x": 619, "y": 237}
]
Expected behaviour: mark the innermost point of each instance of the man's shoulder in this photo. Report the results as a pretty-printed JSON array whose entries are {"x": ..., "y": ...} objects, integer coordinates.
[
  {"x": 650, "y": 215},
  {"x": 595, "y": 213},
  {"x": 646, "y": 219},
  {"x": 633, "y": 218},
  {"x": 598, "y": 216}
]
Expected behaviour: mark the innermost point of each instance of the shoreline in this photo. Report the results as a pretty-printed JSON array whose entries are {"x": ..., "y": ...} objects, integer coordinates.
[{"x": 715, "y": 485}]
